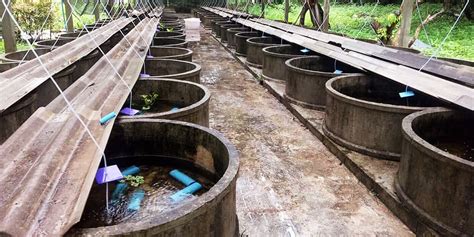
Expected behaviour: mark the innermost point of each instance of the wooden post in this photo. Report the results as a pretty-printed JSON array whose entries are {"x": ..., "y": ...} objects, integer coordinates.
[
  {"x": 287, "y": 10},
  {"x": 8, "y": 32},
  {"x": 97, "y": 11},
  {"x": 404, "y": 32},
  {"x": 325, "y": 23},
  {"x": 69, "y": 16}
]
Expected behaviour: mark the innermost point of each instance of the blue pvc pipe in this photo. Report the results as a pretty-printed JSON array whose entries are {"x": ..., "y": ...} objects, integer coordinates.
[
  {"x": 131, "y": 170},
  {"x": 136, "y": 200},
  {"x": 186, "y": 192},
  {"x": 119, "y": 191},
  {"x": 182, "y": 177},
  {"x": 107, "y": 117}
]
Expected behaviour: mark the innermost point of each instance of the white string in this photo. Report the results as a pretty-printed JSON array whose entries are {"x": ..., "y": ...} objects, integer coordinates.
[
  {"x": 365, "y": 22},
  {"x": 446, "y": 37},
  {"x": 69, "y": 105},
  {"x": 110, "y": 63},
  {"x": 422, "y": 25}
]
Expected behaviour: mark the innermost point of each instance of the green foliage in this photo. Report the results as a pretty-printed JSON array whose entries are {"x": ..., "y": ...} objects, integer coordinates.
[
  {"x": 169, "y": 29},
  {"x": 386, "y": 26},
  {"x": 354, "y": 21},
  {"x": 133, "y": 180},
  {"x": 148, "y": 100},
  {"x": 31, "y": 16}
]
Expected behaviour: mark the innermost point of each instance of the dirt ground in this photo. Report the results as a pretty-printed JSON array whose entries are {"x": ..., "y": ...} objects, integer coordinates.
[{"x": 289, "y": 184}]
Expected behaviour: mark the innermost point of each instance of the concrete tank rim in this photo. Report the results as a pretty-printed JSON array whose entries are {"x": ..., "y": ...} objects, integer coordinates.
[
  {"x": 189, "y": 208},
  {"x": 293, "y": 68},
  {"x": 236, "y": 29},
  {"x": 223, "y": 22},
  {"x": 181, "y": 42},
  {"x": 3, "y": 57},
  {"x": 367, "y": 104},
  {"x": 280, "y": 55},
  {"x": 197, "y": 68},
  {"x": 188, "y": 51},
  {"x": 242, "y": 34},
  {"x": 39, "y": 44},
  {"x": 250, "y": 41},
  {"x": 429, "y": 149},
  {"x": 185, "y": 110},
  {"x": 173, "y": 34},
  {"x": 228, "y": 26},
  {"x": 67, "y": 71}
]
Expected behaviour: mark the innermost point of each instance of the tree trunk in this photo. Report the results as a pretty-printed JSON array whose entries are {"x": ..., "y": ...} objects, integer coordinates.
[
  {"x": 7, "y": 28},
  {"x": 406, "y": 10},
  {"x": 447, "y": 4},
  {"x": 325, "y": 26},
  {"x": 287, "y": 10}
]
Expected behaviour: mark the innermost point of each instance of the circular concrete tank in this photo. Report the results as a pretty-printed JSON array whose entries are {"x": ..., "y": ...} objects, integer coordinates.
[
  {"x": 94, "y": 26},
  {"x": 241, "y": 41},
  {"x": 177, "y": 100},
  {"x": 207, "y": 23},
  {"x": 214, "y": 24},
  {"x": 72, "y": 35},
  {"x": 436, "y": 174},
  {"x": 174, "y": 69},
  {"x": 364, "y": 113},
  {"x": 23, "y": 55},
  {"x": 166, "y": 34},
  {"x": 254, "y": 50},
  {"x": 231, "y": 35},
  {"x": 171, "y": 53},
  {"x": 81, "y": 66},
  {"x": 165, "y": 145},
  {"x": 14, "y": 116},
  {"x": 51, "y": 44},
  {"x": 217, "y": 26},
  {"x": 5, "y": 66},
  {"x": 274, "y": 58},
  {"x": 223, "y": 29},
  {"x": 170, "y": 42},
  {"x": 172, "y": 26},
  {"x": 307, "y": 77}
]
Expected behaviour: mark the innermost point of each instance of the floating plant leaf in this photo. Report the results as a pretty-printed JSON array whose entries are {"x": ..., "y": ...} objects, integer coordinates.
[
  {"x": 148, "y": 100},
  {"x": 133, "y": 180}
]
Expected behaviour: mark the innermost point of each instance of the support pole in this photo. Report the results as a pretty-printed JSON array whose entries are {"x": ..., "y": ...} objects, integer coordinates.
[
  {"x": 8, "y": 32},
  {"x": 404, "y": 32},
  {"x": 325, "y": 23},
  {"x": 287, "y": 10},
  {"x": 97, "y": 11},
  {"x": 69, "y": 20}
]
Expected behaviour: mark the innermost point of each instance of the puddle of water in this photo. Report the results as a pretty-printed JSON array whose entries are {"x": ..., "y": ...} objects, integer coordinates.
[{"x": 158, "y": 187}]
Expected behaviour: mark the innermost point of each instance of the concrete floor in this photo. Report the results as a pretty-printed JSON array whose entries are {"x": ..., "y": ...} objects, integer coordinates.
[{"x": 289, "y": 183}]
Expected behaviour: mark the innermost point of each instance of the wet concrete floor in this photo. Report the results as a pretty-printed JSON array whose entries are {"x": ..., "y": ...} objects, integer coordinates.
[{"x": 289, "y": 184}]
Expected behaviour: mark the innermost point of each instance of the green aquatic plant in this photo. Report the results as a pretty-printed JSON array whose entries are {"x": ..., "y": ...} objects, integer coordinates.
[
  {"x": 148, "y": 100},
  {"x": 133, "y": 180}
]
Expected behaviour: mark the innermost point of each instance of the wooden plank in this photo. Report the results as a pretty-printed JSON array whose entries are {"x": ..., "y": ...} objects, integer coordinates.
[
  {"x": 48, "y": 165},
  {"x": 454, "y": 72},
  {"x": 21, "y": 80},
  {"x": 437, "y": 87}
]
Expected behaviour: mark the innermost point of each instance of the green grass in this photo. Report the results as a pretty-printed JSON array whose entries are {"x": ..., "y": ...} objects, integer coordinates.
[{"x": 353, "y": 21}]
